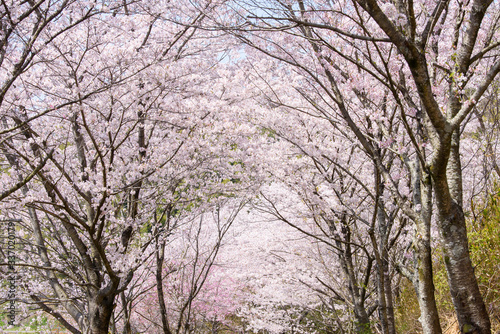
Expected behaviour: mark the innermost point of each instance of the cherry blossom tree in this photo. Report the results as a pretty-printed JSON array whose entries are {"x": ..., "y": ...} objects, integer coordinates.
[
  {"x": 126, "y": 109},
  {"x": 425, "y": 65}
]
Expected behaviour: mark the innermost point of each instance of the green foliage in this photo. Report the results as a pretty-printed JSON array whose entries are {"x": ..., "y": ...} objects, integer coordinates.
[
  {"x": 406, "y": 309},
  {"x": 270, "y": 133},
  {"x": 484, "y": 244},
  {"x": 37, "y": 323}
]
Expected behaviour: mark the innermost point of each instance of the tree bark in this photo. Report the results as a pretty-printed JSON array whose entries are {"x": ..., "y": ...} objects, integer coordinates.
[
  {"x": 391, "y": 321},
  {"x": 127, "y": 329},
  {"x": 424, "y": 285},
  {"x": 385, "y": 286},
  {"x": 160, "y": 249},
  {"x": 467, "y": 300},
  {"x": 469, "y": 305},
  {"x": 423, "y": 277},
  {"x": 100, "y": 312},
  {"x": 378, "y": 250},
  {"x": 454, "y": 169}
]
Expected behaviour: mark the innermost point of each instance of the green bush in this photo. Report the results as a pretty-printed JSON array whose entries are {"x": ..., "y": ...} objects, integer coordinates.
[{"x": 484, "y": 244}]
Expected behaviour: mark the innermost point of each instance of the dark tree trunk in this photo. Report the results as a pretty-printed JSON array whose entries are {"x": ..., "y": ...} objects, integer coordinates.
[
  {"x": 127, "y": 329},
  {"x": 357, "y": 293},
  {"x": 159, "y": 286},
  {"x": 100, "y": 312},
  {"x": 391, "y": 321},
  {"x": 467, "y": 300}
]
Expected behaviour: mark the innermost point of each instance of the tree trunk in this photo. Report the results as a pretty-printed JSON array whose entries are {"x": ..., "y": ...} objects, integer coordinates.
[
  {"x": 391, "y": 321},
  {"x": 384, "y": 279},
  {"x": 100, "y": 311},
  {"x": 127, "y": 329},
  {"x": 357, "y": 293},
  {"x": 160, "y": 249},
  {"x": 362, "y": 320},
  {"x": 424, "y": 286},
  {"x": 467, "y": 300},
  {"x": 454, "y": 170},
  {"x": 423, "y": 273}
]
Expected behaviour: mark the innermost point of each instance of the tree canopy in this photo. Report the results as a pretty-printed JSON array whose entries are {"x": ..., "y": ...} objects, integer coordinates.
[{"x": 249, "y": 166}]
